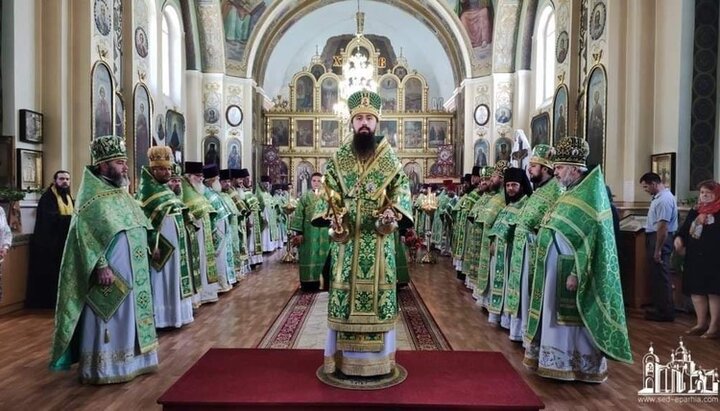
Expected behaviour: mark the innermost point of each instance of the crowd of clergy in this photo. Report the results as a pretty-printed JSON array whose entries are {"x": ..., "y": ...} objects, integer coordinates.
[
  {"x": 535, "y": 245},
  {"x": 134, "y": 264}
]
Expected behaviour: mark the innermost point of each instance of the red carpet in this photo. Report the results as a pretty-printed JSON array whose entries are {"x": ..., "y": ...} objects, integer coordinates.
[{"x": 285, "y": 379}]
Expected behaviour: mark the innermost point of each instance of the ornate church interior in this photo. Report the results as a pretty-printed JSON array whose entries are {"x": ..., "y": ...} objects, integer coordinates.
[{"x": 264, "y": 86}]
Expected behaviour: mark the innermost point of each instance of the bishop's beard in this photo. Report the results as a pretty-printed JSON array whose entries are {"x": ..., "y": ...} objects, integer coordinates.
[
  {"x": 364, "y": 142},
  {"x": 199, "y": 187}
]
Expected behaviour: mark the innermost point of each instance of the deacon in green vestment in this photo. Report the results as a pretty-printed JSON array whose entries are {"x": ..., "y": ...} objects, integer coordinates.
[
  {"x": 438, "y": 227},
  {"x": 170, "y": 269},
  {"x": 243, "y": 262},
  {"x": 104, "y": 313},
  {"x": 243, "y": 186},
  {"x": 458, "y": 213},
  {"x": 280, "y": 200},
  {"x": 471, "y": 254},
  {"x": 234, "y": 218},
  {"x": 464, "y": 225},
  {"x": 367, "y": 199},
  {"x": 545, "y": 194},
  {"x": 486, "y": 217},
  {"x": 418, "y": 214},
  {"x": 517, "y": 190},
  {"x": 576, "y": 316},
  {"x": 312, "y": 242},
  {"x": 270, "y": 231},
  {"x": 448, "y": 224}
]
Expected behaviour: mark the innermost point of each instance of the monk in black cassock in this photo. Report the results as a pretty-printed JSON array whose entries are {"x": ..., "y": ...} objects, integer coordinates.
[{"x": 52, "y": 222}]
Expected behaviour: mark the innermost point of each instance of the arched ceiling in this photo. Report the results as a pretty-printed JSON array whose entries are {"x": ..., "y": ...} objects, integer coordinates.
[{"x": 420, "y": 46}]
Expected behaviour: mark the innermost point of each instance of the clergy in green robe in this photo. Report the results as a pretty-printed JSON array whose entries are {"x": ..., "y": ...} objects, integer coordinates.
[
  {"x": 104, "y": 313},
  {"x": 418, "y": 214},
  {"x": 170, "y": 269},
  {"x": 270, "y": 230},
  {"x": 221, "y": 228},
  {"x": 487, "y": 217},
  {"x": 576, "y": 315},
  {"x": 464, "y": 225},
  {"x": 235, "y": 217},
  {"x": 367, "y": 199},
  {"x": 473, "y": 238},
  {"x": 438, "y": 232},
  {"x": 243, "y": 263},
  {"x": 243, "y": 186},
  {"x": 312, "y": 242},
  {"x": 502, "y": 234},
  {"x": 545, "y": 194},
  {"x": 201, "y": 229}
]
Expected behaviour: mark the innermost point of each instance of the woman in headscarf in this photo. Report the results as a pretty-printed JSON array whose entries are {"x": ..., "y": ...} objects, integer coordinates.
[
  {"x": 698, "y": 240},
  {"x": 5, "y": 242}
]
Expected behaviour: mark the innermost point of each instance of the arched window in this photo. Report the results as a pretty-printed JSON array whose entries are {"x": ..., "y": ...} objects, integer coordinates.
[
  {"x": 171, "y": 64},
  {"x": 545, "y": 56}
]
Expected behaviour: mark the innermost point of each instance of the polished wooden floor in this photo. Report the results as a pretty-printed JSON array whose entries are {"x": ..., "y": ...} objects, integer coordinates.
[{"x": 242, "y": 316}]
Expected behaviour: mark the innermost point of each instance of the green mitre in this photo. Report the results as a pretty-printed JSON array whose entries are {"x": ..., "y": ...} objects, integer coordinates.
[
  {"x": 364, "y": 102},
  {"x": 107, "y": 148},
  {"x": 542, "y": 154}
]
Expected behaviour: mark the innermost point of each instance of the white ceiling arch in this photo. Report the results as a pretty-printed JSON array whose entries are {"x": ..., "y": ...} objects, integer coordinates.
[{"x": 428, "y": 31}]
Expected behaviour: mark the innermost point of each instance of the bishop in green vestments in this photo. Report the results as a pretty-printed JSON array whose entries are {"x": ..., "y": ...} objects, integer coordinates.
[
  {"x": 312, "y": 242},
  {"x": 104, "y": 313},
  {"x": 576, "y": 317},
  {"x": 367, "y": 199}
]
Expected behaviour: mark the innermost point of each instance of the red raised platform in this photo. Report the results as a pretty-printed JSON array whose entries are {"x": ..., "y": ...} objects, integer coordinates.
[{"x": 285, "y": 379}]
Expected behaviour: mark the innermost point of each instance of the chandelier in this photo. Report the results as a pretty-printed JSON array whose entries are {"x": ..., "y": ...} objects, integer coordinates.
[{"x": 358, "y": 73}]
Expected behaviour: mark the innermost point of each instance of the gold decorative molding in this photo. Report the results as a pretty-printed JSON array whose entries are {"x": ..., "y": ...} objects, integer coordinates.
[
  {"x": 142, "y": 75},
  {"x": 103, "y": 51},
  {"x": 597, "y": 56},
  {"x": 561, "y": 77},
  {"x": 212, "y": 131}
]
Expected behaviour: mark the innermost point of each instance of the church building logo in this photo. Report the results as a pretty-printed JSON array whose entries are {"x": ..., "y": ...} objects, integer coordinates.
[{"x": 681, "y": 376}]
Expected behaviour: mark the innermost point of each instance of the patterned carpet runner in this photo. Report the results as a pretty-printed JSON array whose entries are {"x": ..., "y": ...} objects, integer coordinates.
[{"x": 303, "y": 324}]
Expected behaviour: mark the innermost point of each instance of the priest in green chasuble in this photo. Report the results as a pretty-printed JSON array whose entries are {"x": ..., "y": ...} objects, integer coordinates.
[
  {"x": 170, "y": 265},
  {"x": 366, "y": 198},
  {"x": 312, "y": 242},
  {"x": 104, "y": 313},
  {"x": 576, "y": 317}
]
